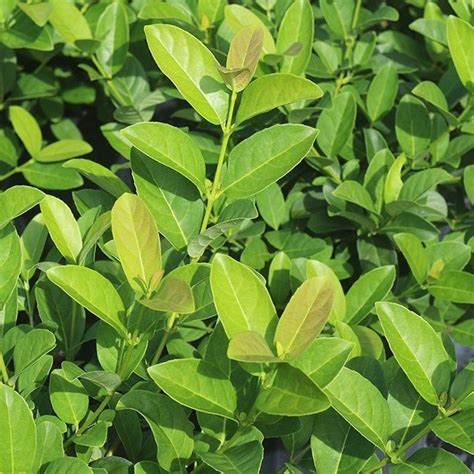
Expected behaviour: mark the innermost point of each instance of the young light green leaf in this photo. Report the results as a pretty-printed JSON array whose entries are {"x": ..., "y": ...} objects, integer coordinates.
[
  {"x": 239, "y": 17},
  {"x": 412, "y": 126},
  {"x": 250, "y": 346},
  {"x": 169, "y": 424},
  {"x": 196, "y": 384},
  {"x": 241, "y": 299},
  {"x": 171, "y": 147},
  {"x": 244, "y": 53},
  {"x": 382, "y": 92},
  {"x": 460, "y": 38},
  {"x": 291, "y": 393},
  {"x": 363, "y": 406},
  {"x": 304, "y": 317},
  {"x": 27, "y": 128},
  {"x": 69, "y": 22},
  {"x": 192, "y": 69},
  {"x": 17, "y": 432},
  {"x": 93, "y": 291},
  {"x": 272, "y": 206},
  {"x": 323, "y": 359},
  {"x": 274, "y": 90},
  {"x": 393, "y": 182},
  {"x": 10, "y": 262},
  {"x": 174, "y": 202},
  {"x": 173, "y": 295},
  {"x": 417, "y": 348},
  {"x": 336, "y": 124},
  {"x": 338, "y": 15},
  {"x": 112, "y": 32},
  {"x": 297, "y": 26},
  {"x": 415, "y": 254},
  {"x": 136, "y": 240},
  {"x": 62, "y": 227},
  {"x": 265, "y": 157},
  {"x": 63, "y": 150}
]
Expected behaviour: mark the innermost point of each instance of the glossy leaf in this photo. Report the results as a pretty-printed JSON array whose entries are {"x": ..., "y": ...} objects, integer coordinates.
[
  {"x": 27, "y": 128},
  {"x": 415, "y": 255},
  {"x": 250, "y": 346},
  {"x": 382, "y": 92},
  {"x": 417, "y": 348},
  {"x": 10, "y": 262},
  {"x": 192, "y": 69}
]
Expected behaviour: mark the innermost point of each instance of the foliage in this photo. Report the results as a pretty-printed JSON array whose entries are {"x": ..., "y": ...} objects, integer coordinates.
[{"x": 283, "y": 249}]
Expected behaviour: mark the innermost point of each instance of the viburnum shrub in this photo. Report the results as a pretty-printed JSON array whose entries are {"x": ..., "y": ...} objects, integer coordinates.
[{"x": 223, "y": 224}]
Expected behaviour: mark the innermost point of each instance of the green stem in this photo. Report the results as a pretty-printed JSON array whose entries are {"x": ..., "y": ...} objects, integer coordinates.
[
  {"x": 109, "y": 83},
  {"x": 227, "y": 129},
  {"x": 3, "y": 369},
  {"x": 355, "y": 18},
  {"x": 168, "y": 330},
  {"x": 17, "y": 169}
]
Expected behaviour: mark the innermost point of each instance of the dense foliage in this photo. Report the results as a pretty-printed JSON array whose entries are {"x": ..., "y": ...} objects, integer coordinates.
[{"x": 228, "y": 223}]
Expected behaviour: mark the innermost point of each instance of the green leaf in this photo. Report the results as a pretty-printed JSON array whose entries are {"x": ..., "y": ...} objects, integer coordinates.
[
  {"x": 234, "y": 214},
  {"x": 418, "y": 184},
  {"x": 169, "y": 424},
  {"x": 241, "y": 299},
  {"x": 112, "y": 32},
  {"x": 409, "y": 411},
  {"x": 173, "y": 295},
  {"x": 196, "y": 384},
  {"x": 99, "y": 175},
  {"x": 136, "y": 240},
  {"x": 250, "y": 346},
  {"x": 239, "y": 17},
  {"x": 431, "y": 460},
  {"x": 304, "y": 317},
  {"x": 93, "y": 291},
  {"x": 17, "y": 432},
  {"x": 27, "y": 128},
  {"x": 457, "y": 430},
  {"x": 69, "y": 22},
  {"x": 297, "y": 26},
  {"x": 354, "y": 192},
  {"x": 393, "y": 182},
  {"x": 454, "y": 286},
  {"x": 371, "y": 287},
  {"x": 430, "y": 92},
  {"x": 460, "y": 37},
  {"x": 31, "y": 347},
  {"x": 10, "y": 262},
  {"x": 417, "y": 348},
  {"x": 49, "y": 443},
  {"x": 265, "y": 157},
  {"x": 171, "y": 147},
  {"x": 336, "y": 124},
  {"x": 192, "y": 69},
  {"x": 363, "y": 406},
  {"x": 244, "y": 53},
  {"x": 336, "y": 446},
  {"x": 468, "y": 182},
  {"x": 338, "y": 15},
  {"x": 382, "y": 92},
  {"x": 68, "y": 397},
  {"x": 174, "y": 202},
  {"x": 415, "y": 254},
  {"x": 52, "y": 176},
  {"x": 63, "y": 150},
  {"x": 68, "y": 464},
  {"x": 246, "y": 457},
  {"x": 62, "y": 227},
  {"x": 323, "y": 359},
  {"x": 272, "y": 207},
  {"x": 38, "y": 12},
  {"x": 412, "y": 126},
  {"x": 274, "y": 90},
  {"x": 291, "y": 393}
]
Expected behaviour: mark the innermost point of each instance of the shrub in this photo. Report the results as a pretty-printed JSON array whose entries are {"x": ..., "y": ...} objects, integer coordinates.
[{"x": 282, "y": 251}]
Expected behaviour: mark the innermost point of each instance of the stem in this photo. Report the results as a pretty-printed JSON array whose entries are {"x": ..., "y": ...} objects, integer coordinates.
[
  {"x": 3, "y": 369},
  {"x": 108, "y": 82},
  {"x": 355, "y": 18},
  {"x": 227, "y": 129},
  {"x": 168, "y": 329},
  {"x": 17, "y": 169}
]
